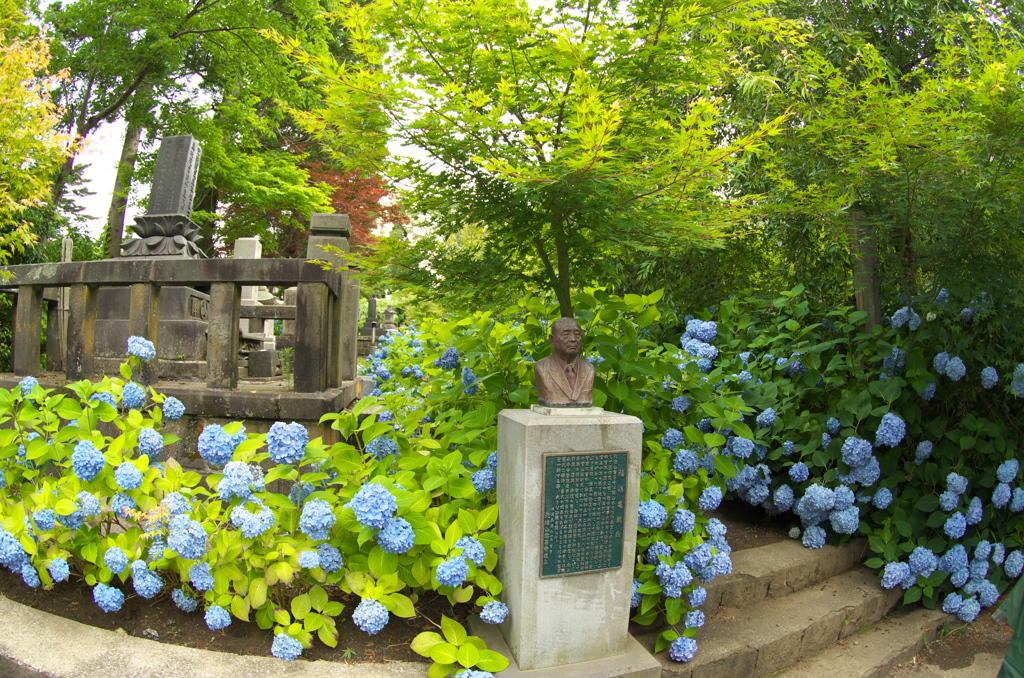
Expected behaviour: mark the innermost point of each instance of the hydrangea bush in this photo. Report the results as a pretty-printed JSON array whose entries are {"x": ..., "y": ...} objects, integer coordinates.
[
  {"x": 76, "y": 503},
  {"x": 906, "y": 436}
]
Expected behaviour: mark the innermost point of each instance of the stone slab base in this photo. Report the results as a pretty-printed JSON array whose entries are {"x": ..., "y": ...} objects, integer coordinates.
[{"x": 635, "y": 663}]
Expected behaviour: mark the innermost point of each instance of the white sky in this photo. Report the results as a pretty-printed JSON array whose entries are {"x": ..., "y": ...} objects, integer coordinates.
[{"x": 101, "y": 154}]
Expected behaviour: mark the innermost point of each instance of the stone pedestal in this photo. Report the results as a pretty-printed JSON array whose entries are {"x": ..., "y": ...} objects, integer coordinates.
[{"x": 568, "y": 490}]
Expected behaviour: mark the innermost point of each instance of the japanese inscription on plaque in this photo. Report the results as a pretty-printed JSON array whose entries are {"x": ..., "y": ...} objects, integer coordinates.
[{"x": 584, "y": 509}]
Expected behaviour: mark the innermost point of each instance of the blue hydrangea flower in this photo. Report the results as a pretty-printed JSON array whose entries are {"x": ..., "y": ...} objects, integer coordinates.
[
  {"x": 789, "y": 447},
  {"x": 484, "y": 480},
  {"x": 975, "y": 511},
  {"x": 929, "y": 391},
  {"x": 58, "y": 569},
  {"x": 826, "y": 440},
  {"x": 716, "y": 528},
  {"x": 116, "y": 560},
  {"x": 316, "y": 519},
  {"x": 784, "y": 498},
  {"x": 952, "y": 603},
  {"x": 923, "y": 561},
  {"x": 702, "y": 330},
  {"x": 29, "y": 575},
  {"x": 186, "y": 537},
  {"x": 104, "y": 397},
  {"x": 694, "y": 619},
  {"x": 955, "y": 369},
  {"x": 940, "y": 362},
  {"x": 969, "y": 611},
  {"x": 452, "y": 572},
  {"x": 988, "y": 594},
  {"x": 492, "y": 461},
  {"x": 998, "y": 553},
  {"x": 766, "y": 418},
  {"x": 1007, "y": 471},
  {"x": 151, "y": 443},
  {"x": 741, "y": 447},
  {"x": 1001, "y": 495},
  {"x": 330, "y": 558},
  {"x": 1014, "y": 564},
  {"x": 27, "y": 384},
  {"x": 651, "y": 515},
  {"x": 471, "y": 549},
  {"x": 285, "y": 647},
  {"x": 449, "y": 360},
  {"x": 890, "y": 431},
  {"x": 251, "y": 524},
  {"x": 495, "y": 612},
  {"x": 467, "y": 382},
  {"x": 989, "y": 377},
  {"x": 955, "y": 526},
  {"x": 120, "y": 502},
  {"x": 844, "y": 498},
  {"x": 956, "y": 483},
  {"x": 894, "y": 574},
  {"x": 845, "y": 521},
  {"x": 900, "y": 317},
  {"x": 710, "y": 498},
  {"x": 683, "y": 521},
  {"x": 882, "y": 498},
  {"x": 185, "y": 602},
  {"x": 382, "y": 446},
  {"x": 141, "y": 348},
  {"x": 923, "y": 452},
  {"x": 133, "y": 396},
  {"x": 44, "y": 519},
  {"x": 287, "y": 442},
  {"x": 635, "y": 598},
  {"x": 672, "y": 439},
  {"x": 107, "y": 597},
  {"x": 680, "y": 404},
  {"x": 215, "y": 446},
  {"x": 87, "y": 461},
  {"x": 175, "y": 503},
  {"x": 397, "y": 537},
  {"x": 798, "y": 472},
  {"x": 370, "y": 615},
  {"x": 1017, "y": 503},
  {"x": 955, "y": 559},
  {"x": 686, "y": 462},
  {"x": 698, "y": 596},
  {"x": 309, "y": 559},
  {"x": 658, "y": 550},
  {"x": 127, "y": 476},
  {"x": 814, "y": 537},
  {"x": 217, "y": 618},
  {"x": 373, "y": 505},
  {"x": 146, "y": 582},
  {"x": 682, "y": 649},
  {"x": 173, "y": 409},
  {"x": 201, "y": 577}
]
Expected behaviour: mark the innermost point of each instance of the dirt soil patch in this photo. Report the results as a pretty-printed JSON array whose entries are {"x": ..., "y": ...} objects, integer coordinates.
[
  {"x": 749, "y": 527},
  {"x": 957, "y": 645},
  {"x": 160, "y": 619}
]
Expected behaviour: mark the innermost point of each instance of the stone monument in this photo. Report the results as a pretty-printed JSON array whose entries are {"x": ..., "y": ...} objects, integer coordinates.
[
  {"x": 568, "y": 494},
  {"x": 167, "y": 228}
]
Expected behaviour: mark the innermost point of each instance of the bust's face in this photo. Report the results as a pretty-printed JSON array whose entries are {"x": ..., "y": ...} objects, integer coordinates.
[{"x": 566, "y": 339}]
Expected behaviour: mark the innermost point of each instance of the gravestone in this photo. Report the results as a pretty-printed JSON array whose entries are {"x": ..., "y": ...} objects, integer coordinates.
[
  {"x": 167, "y": 228},
  {"x": 568, "y": 494},
  {"x": 369, "y": 329}
]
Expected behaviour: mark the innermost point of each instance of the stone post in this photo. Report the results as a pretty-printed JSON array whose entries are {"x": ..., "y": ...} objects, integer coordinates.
[
  {"x": 568, "y": 492},
  {"x": 333, "y": 230},
  {"x": 249, "y": 248}
]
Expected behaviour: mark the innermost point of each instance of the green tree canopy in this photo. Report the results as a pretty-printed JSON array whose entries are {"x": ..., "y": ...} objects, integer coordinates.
[{"x": 569, "y": 133}]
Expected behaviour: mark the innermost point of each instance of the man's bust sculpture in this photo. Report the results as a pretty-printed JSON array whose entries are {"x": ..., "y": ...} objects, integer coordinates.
[{"x": 563, "y": 380}]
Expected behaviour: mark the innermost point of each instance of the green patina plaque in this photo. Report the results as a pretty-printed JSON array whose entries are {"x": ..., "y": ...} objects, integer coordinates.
[{"x": 584, "y": 508}]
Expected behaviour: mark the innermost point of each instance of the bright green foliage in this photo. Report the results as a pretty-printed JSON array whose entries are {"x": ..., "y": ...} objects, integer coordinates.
[
  {"x": 567, "y": 132},
  {"x": 31, "y": 146}
]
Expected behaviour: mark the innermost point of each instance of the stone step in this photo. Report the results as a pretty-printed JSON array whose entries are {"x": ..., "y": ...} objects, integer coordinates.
[
  {"x": 874, "y": 651},
  {"x": 771, "y": 635},
  {"x": 779, "y": 569}
]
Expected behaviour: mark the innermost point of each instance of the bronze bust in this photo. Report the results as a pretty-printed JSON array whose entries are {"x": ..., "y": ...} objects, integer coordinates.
[{"x": 563, "y": 380}]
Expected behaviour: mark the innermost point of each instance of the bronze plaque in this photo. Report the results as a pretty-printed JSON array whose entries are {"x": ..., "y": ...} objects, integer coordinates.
[{"x": 584, "y": 509}]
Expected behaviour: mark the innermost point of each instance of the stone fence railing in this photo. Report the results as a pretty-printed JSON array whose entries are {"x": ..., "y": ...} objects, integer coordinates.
[{"x": 326, "y": 313}]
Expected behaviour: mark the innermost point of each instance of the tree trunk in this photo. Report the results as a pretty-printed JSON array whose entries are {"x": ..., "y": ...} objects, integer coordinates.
[
  {"x": 122, "y": 186},
  {"x": 867, "y": 289}
]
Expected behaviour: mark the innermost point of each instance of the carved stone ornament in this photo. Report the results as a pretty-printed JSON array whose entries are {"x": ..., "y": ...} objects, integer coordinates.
[{"x": 163, "y": 235}]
